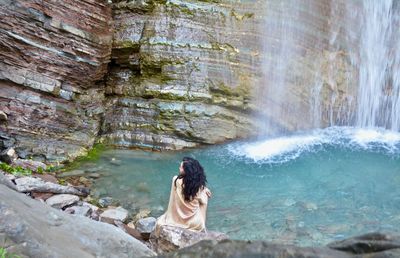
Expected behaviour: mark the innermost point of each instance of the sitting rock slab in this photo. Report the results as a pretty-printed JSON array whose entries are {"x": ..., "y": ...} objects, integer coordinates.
[
  {"x": 112, "y": 214},
  {"x": 21, "y": 218},
  {"x": 169, "y": 238},
  {"x": 60, "y": 201}
]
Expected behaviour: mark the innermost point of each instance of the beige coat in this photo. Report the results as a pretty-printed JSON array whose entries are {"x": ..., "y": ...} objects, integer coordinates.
[{"x": 180, "y": 213}]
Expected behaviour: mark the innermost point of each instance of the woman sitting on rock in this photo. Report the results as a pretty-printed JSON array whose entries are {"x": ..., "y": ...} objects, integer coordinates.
[{"x": 188, "y": 200}]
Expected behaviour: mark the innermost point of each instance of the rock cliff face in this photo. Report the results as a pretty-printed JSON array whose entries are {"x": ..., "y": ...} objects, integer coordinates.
[
  {"x": 182, "y": 73},
  {"x": 168, "y": 74},
  {"x": 176, "y": 74},
  {"x": 53, "y": 56}
]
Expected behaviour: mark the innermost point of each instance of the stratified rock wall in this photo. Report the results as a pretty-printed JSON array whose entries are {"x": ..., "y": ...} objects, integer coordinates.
[
  {"x": 182, "y": 72},
  {"x": 169, "y": 74},
  {"x": 53, "y": 56}
]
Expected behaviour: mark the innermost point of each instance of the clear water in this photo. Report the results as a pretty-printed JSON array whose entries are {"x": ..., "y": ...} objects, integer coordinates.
[{"x": 306, "y": 189}]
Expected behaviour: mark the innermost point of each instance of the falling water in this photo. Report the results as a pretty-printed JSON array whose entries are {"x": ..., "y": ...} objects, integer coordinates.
[
  {"x": 330, "y": 63},
  {"x": 379, "y": 85}
]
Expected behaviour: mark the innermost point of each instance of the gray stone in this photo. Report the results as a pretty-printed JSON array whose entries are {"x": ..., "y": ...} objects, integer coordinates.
[
  {"x": 61, "y": 235},
  {"x": 118, "y": 213},
  {"x": 146, "y": 225},
  {"x": 169, "y": 238},
  {"x": 79, "y": 210},
  {"x": 8, "y": 155},
  {"x": 60, "y": 201},
  {"x": 32, "y": 184}
]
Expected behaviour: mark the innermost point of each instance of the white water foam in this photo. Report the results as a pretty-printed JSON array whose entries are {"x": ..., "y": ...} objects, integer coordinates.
[{"x": 284, "y": 149}]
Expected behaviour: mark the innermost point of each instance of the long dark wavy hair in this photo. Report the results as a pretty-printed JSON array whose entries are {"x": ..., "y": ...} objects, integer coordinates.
[{"x": 193, "y": 178}]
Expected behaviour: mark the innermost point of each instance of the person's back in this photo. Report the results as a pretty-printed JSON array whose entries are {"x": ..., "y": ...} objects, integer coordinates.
[{"x": 187, "y": 206}]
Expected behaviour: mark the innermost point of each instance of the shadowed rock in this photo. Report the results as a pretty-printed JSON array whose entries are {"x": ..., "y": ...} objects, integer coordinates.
[
  {"x": 368, "y": 243},
  {"x": 256, "y": 249}
]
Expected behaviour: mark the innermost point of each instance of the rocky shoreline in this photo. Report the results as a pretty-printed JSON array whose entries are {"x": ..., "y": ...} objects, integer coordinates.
[
  {"x": 64, "y": 200},
  {"x": 69, "y": 192}
]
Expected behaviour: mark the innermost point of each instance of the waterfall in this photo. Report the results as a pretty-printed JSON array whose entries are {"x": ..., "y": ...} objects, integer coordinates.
[
  {"x": 379, "y": 85},
  {"x": 330, "y": 63}
]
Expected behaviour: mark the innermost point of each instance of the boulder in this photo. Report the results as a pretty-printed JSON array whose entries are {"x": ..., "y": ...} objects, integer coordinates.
[
  {"x": 169, "y": 238},
  {"x": 29, "y": 164},
  {"x": 32, "y": 184},
  {"x": 112, "y": 214},
  {"x": 146, "y": 226},
  {"x": 8, "y": 155},
  {"x": 36, "y": 230},
  {"x": 60, "y": 201}
]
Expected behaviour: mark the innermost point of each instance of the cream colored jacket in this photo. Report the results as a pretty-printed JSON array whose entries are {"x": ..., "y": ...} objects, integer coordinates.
[{"x": 180, "y": 213}]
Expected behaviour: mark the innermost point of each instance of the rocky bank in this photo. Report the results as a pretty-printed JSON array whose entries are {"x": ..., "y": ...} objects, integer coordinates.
[{"x": 32, "y": 228}]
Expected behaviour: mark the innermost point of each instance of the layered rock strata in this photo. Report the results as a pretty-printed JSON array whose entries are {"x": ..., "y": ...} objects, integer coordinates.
[
  {"x": 182, "y": 73},
  {"x": 53, "y": 56}
]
